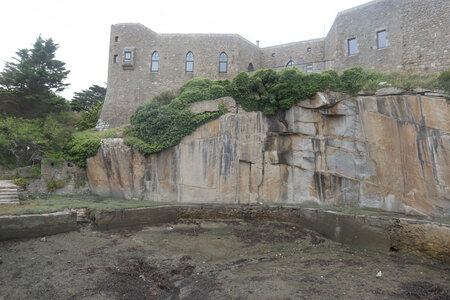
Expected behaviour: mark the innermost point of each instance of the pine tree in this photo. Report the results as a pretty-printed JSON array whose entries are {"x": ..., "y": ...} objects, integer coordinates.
[{"x": 35, "y": 71}]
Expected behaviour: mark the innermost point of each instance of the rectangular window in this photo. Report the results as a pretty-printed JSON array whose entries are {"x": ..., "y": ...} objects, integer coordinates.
[
  {"x": 189, "y": 66},
  {"x": 381, "y": 39},
  {"x": 352, "y": 50},
  {"x": 223, "y": 67},
  {"x": 116, "y": 38},
  {"x": 309, "y": 68},
  {"x": 127, "y": 56},
  {"x": 116, "y": 59},
  {"x": 155, "y": 66},
  {"x": 308, "y": 49}
]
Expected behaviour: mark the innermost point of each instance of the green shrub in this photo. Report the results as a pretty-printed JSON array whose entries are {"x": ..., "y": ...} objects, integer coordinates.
[
  {"x": 54, "y": 184},
  {"x": 444, "y": 81},
  {"x": 90, "y": 118},
  {"x": 36, "y": 172},
  {"x": 20, "y": 181},
  {"x": 86, "y": 143},
  {"x": 199, "y": 89},
  {"x": 158, "y": 127},
  {"x": 164, "y": 98}
]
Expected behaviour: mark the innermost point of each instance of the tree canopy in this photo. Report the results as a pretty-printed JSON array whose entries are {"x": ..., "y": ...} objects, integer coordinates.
[
  {"x": 35, "y": 71},
  {"x": 86, "y": 99}
]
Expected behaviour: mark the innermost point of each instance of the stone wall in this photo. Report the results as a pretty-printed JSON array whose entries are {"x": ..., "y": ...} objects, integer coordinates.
[
  {"x": 388, "y": 152},
  {"x": 417, "y": 38},
  {"x": 416, "y": 31},
  {"x": 130, "y": 87},
  {"x": 302, "y": 53}
]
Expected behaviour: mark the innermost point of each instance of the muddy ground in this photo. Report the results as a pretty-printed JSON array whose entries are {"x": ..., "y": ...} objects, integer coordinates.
[{"x": 211, "y": 260}]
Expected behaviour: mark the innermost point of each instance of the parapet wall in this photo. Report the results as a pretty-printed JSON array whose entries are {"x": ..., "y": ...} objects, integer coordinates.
[{"x": 390, "y": 152}]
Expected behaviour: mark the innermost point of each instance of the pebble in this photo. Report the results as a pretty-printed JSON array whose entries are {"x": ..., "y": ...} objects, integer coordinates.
[
  {"x": 44, "y": 239},
  {"x": 1, "y": 260},
  {"x": 379, "y": 274}
]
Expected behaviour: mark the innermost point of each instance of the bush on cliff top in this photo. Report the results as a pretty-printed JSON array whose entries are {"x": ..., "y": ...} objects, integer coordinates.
[
  {"x": 156, "y": 127},
  {"x": 85, "y": 144}
]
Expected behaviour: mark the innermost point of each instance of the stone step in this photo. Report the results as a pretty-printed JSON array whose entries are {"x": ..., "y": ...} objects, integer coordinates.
[
  {"x": 7, "y": 189},
  {"x": 2, "y": 197},
  {"x": 12, "y": 201},
  {"x": 8, "y": 195}
]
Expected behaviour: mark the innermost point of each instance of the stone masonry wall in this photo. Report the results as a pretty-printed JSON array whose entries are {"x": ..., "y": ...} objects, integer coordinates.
[
  {"x": 417, "y": 38},
  {"x": 388, "y": 152}
]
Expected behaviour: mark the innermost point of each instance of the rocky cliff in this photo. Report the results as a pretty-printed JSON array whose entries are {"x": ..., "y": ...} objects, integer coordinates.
[{"x": 389, "y": 152}]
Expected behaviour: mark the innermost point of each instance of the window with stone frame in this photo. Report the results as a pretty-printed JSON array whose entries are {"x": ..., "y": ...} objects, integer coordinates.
[
  {"x": 223, "y": 63},
  {"x": 116, "y": 59},
  {"x": 381, "y": 39},
  {"x": 155, "y": 62},
  {"x": 309, "y": 68},
  {"x": 352, "y": 49},
  {"x": 127, "y": 56},
  {"x": 189, "y": 62}
]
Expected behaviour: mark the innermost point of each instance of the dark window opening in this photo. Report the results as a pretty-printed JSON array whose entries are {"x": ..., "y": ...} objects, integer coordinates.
[
  {"x": 116, "y": 39},
  {"x": 189, "y": 62},
  {"x": 290, "y": 63},
  {"x": 381, "y": 39},
  {"x": 352, "y": 46},
  {"x": 69, "y": 165},
  {"x": 250, "y": 67},
  {"x": 308, "y": 49},
  {"x": 127, "y": 56},
  {"x": 155, "y": 62},
  {"x": 116, "y": 59},
  {"x": 223, "y": 63},
  {"x": 274, "y": 54}
]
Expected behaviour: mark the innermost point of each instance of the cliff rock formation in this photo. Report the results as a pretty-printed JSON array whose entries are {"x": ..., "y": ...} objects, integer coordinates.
[{"x": 389, "y": 152}]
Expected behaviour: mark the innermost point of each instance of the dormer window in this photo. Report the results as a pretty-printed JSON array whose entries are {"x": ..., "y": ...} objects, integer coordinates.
[{"x": 291, "y": 64}]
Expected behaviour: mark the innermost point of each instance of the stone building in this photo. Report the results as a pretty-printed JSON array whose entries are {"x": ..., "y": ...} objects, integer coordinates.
[{"x": 382, "y": 35}]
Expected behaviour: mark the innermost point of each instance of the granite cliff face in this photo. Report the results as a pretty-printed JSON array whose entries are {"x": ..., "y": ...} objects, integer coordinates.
[{"x": 389, "y": 152}]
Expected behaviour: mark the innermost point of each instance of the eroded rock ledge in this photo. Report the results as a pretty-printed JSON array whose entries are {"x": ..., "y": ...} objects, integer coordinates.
[{"x": 388, "y": 152}]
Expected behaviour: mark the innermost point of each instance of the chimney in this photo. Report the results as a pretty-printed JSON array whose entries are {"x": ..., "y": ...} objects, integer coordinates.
[{"x": 257, "y": 43}]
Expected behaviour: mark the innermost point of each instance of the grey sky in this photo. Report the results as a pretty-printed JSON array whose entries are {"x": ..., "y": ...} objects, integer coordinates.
[{"x": 82, "y": 27}]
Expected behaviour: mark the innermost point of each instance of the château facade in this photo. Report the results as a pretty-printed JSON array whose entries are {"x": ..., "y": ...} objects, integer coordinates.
[{"x": 382, "y": 35}]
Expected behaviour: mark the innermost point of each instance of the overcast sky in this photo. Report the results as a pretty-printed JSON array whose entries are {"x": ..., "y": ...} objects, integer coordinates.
[{"x": 82, "y": 27}]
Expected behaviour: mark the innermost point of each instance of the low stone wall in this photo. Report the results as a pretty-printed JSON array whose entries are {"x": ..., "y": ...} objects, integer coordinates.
[
  {"x": 35, "y": 225},
  {"x": 356, "y": 230},
  {"x": 135, "y": 217},
  {"x": 383, "y": 232}
]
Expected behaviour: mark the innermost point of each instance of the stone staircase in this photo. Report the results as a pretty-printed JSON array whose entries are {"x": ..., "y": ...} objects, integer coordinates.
[{"x": 8, "y": 192}]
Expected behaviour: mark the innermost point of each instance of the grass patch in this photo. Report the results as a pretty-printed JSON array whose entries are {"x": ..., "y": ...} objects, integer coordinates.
[{"x": 54, "y": 203}]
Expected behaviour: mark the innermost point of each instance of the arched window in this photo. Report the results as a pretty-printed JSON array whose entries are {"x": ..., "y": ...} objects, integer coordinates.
[
  {"x": 223, "y": 62},
  {"x": 155, "y": 62},
  {"x": 250, "y": 67},
  {"x": 290, "y": 63},
  {"x": 189, "y": 62}
]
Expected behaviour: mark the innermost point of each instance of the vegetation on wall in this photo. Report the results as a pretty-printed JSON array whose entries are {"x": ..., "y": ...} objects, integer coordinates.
[
  {"x": 85, "y": 144},
  {"x": 156, "y": 127}
]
